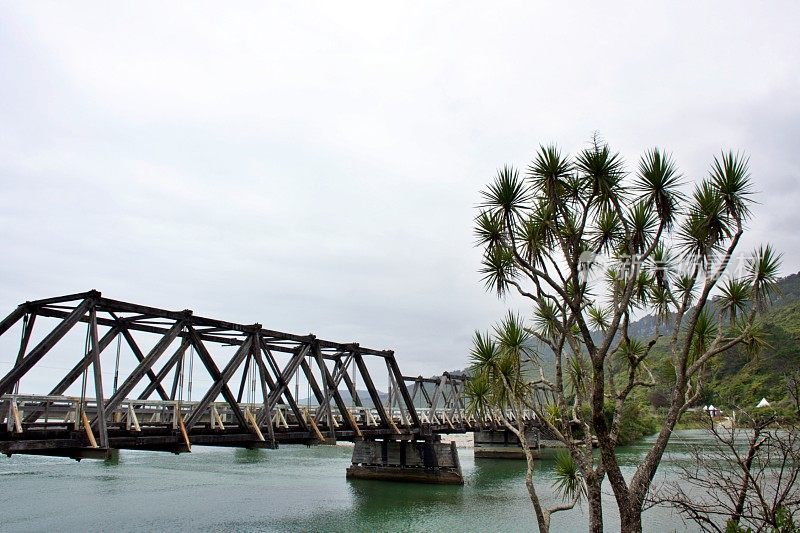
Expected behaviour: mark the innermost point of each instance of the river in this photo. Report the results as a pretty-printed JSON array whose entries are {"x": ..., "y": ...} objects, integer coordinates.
[{"x": 294, "y": 488}]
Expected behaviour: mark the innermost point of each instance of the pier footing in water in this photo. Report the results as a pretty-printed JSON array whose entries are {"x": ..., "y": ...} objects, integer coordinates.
[
  {"x": 408, "y": 461},
  {"x": 502, "y": 444}
]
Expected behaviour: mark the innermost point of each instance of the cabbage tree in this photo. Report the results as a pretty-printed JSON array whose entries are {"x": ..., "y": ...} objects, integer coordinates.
[{"x": 592, "y": 247}]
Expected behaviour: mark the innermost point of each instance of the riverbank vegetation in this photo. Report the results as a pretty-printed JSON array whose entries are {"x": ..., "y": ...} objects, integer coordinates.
[{"x": 749, "y": 480}]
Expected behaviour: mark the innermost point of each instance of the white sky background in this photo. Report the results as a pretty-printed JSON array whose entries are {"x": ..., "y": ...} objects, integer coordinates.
[{"x": 315, "y": 168}]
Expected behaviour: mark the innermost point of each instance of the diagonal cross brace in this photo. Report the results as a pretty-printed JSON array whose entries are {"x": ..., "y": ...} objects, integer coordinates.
[
  {"x": 400, "y": 384},
  {"x": 283, "y": 380},
  {"x": 41, "y": 349},
  {"x": 137, "y": 352},
  {"x": 332, "y": 389},
  {"x": 266, "y": 379},
  {"x": 263, "y": 375},
  {"x": 220, "y": 379},
  {"x": 159, "y": 378},
  {"x": 373, "y": 392},
  {"x": 148, "y": 362}
]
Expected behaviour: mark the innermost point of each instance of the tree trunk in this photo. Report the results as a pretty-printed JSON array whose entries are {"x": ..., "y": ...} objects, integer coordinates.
[
  {"x": 594, "y": 497},
  {"x": 631, "y": 519},
  {"x": 542, "y": 517}
]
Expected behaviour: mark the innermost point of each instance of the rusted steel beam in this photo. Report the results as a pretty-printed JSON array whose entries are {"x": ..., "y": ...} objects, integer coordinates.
[
  {"x": 273, "y": 386},
  {"x": 244, "y": 378},
  {"x": 27, "y": 329},
  {"x": 13, "y": 318},
  {"x": 270, "y": 337},
  {"x": 263, "y": 374},
  {"x": 147, "y": 363},
  {"x": 41, "y": 349},
  {"x": 312, "y": 381},
  {"x": 135, "y": 326},
  {"x": 66, "y": 298},
  {"x": 332, "y": 389},
  {"x": 220, "y": 378},
  {"x": 398, "y": 378},
  {"x": 159, "y": 378},
  {"x": 350, "y": 385},
  {"x": 284, "y": 378},
  {"x": 373, "y": 392},
  {"x": 137, "y": 352},
  {"x": 437, "y": 392},
  {"x": 420, "y": 379},
  {"x": 75, "y": 373},
  {"x": 98, "y": 378}
]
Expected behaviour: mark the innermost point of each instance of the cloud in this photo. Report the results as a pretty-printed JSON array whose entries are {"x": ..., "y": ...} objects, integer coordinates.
[{"x": 315, "y": 168}]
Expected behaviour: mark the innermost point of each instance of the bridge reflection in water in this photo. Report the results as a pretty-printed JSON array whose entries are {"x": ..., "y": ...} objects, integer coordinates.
[{"x": 243, "y": 375}]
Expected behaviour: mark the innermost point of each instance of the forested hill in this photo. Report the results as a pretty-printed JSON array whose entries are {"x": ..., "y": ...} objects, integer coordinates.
[{"x": 736, "y": 378}]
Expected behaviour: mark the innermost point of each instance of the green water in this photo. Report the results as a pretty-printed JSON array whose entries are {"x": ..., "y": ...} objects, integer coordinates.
[{"x": 294, "y": 488}]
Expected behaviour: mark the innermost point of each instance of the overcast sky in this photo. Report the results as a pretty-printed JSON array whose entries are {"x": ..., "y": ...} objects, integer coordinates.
[{"x": 315, "y": 168}]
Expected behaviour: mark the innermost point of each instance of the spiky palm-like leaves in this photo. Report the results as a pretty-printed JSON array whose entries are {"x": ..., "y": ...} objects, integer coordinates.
[
  {"x": 661, "y": 302},
  {"x": 603, "y": 171},
  {"x": 662, "y": 265},
  {"x": 734, "y": 298},
  {"x": 608, "y": 232},
  {"x": 754, "y": 337},
  {"x": 719, "y": 206},
  {"x": 632, "y": 349},
  {"x": 577, "y": 374},
  {"x": 498, "y": 267},
  {"x": 497, "y": 361},
  {"x": 568, "y": 206},
  {"x": 642, "y": 290},
  {"x": 532, "y": 238},
  {"x": 657, "y": 183},
  {"x": 685, "y": 287},
  {"x": 569, "y": 484},
  {"x": 546, "y": 319},
  {"x": 704, "y": 333},
  {"x": 763, "y": 270},
  {"x": 702, "y": 232},
  {"x": 548, "y": 173},
  {"x": 479, "y": 391},
  {"x": 730, "y": 175},
  {"x": 489, "y": 230},
  {"x": 599, "y": 318},
  {"x": 513, "y": 339},
  {"x": 507, "y": 194},
  {"x": 643, "y": 224}
]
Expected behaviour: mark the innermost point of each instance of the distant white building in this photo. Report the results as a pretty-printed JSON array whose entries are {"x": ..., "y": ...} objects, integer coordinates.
[
  {"x": 711, "y": 410},
  {"x": 763, "y": 403}
]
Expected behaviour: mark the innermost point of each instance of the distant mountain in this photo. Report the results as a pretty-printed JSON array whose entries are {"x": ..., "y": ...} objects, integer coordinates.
[{"x": 734, "y": 378}]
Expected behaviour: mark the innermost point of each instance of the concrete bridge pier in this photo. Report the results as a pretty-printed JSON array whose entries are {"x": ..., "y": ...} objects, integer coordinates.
[
  {"x": 503, "y": 444},
  {"x": 417, "y": 461}
]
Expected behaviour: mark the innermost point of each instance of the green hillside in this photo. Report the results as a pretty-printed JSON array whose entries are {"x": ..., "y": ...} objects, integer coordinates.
[{"x": 738, "y": 379}]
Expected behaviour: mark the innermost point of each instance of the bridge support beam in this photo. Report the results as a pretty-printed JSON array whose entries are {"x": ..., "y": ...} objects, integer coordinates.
[
  {"x": 424, "y": 461},
  {"x": 503, "y": 444}
]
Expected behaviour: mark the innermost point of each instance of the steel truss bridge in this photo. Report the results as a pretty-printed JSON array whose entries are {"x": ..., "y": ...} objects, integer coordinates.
[{"x": 246, "y": 399}]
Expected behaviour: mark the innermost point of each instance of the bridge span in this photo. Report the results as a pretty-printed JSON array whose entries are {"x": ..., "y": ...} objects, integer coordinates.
[{"x": 242, "y": 376}]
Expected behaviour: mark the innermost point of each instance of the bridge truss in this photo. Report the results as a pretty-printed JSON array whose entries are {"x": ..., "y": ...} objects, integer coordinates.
[{"x": 245, "y": 398}]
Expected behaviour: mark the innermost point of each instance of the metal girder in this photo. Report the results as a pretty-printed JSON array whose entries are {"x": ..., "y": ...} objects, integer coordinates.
[
  {"x": 146, "y": 364},
  {"x": 255, "y": 349},
  {"x": 220, "y": 378},
  {"x": 41, "y": 349}
]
